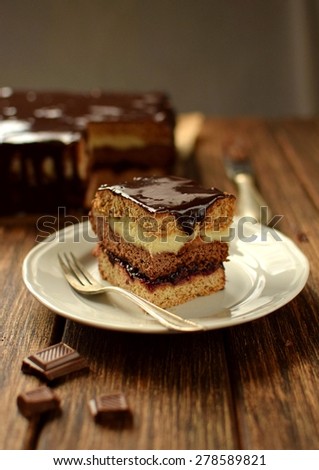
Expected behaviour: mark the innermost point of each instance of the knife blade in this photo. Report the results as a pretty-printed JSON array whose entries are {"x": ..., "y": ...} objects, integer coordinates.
[
  {"x": 187, "y": 130},
  {"x": 239, "y": 169}
]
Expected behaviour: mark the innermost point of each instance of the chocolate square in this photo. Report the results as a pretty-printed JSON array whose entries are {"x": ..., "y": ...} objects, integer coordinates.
[
  {"x": 37, "y": 401},
  {"x": 110, "y": 408},
  {"x": 53, "y": 362}
]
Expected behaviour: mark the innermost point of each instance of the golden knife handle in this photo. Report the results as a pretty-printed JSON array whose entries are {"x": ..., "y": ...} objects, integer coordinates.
[{"x": 249, "y": 200}]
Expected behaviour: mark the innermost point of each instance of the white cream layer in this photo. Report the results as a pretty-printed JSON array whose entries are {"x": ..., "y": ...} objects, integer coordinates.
[
  {"x": 117, "y": 141},
  {"x": 132, "y": 232}
]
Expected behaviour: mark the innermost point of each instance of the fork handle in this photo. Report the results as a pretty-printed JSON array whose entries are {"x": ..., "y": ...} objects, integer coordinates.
[{"x": 168, "y": 319}]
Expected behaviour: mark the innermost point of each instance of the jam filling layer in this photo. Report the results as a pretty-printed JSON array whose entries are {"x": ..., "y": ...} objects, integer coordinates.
[{"x": 176, "y": 277}]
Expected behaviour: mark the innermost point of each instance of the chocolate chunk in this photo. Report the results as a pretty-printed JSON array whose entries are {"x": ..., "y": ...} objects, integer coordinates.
[
  {"x": 53, "y": 362},
  {"x": 110, "y": 407},
  {"x": 38, "y": 401}
]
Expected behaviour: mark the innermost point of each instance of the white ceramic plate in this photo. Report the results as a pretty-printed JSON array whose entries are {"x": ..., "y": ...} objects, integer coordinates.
[{"x": 265, "y": 271}]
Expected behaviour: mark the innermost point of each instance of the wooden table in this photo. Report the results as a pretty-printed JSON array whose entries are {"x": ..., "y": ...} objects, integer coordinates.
[{"x": 253, "y": 386}]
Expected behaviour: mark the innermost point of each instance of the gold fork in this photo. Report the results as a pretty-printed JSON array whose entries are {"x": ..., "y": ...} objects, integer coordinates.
[{"x": 84, "y": 283}]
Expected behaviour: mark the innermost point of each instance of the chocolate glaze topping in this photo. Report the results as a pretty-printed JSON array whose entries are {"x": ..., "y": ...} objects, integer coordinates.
[
  {"x": 183, "y": 198},
  {"x": 29, "y": 116}
]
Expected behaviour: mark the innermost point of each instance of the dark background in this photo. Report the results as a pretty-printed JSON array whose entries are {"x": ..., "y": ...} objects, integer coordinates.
[{"x": 222, "y": 57}]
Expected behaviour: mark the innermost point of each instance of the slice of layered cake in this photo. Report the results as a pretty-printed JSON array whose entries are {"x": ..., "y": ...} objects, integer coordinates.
[{"x": 162, "y": 237}]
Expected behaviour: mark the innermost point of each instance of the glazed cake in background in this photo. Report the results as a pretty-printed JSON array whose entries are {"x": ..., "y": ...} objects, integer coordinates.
[
  {"x": 162, "y": 237},
  {"x": 57, "y": 147}
]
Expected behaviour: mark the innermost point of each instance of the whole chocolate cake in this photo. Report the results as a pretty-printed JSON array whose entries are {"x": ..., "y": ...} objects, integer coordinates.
[{"x": 57, "y": 147}]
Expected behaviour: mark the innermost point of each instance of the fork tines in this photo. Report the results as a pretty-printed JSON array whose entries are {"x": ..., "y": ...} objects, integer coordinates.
[{"x": 72, "y": 267}]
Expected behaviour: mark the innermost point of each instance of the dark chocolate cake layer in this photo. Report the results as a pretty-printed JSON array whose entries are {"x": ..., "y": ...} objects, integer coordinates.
[
  {"x": 194, "y": 255},
  {"x": 158, "y": 155}
]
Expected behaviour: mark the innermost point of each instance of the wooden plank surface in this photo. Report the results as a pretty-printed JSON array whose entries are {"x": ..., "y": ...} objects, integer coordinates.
[
  {"x": 177, "y": 387},
  {"x": 25, "y": 327},
  {"x": 274, "y": 362},
  {"x": 275, "y": 377}
]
